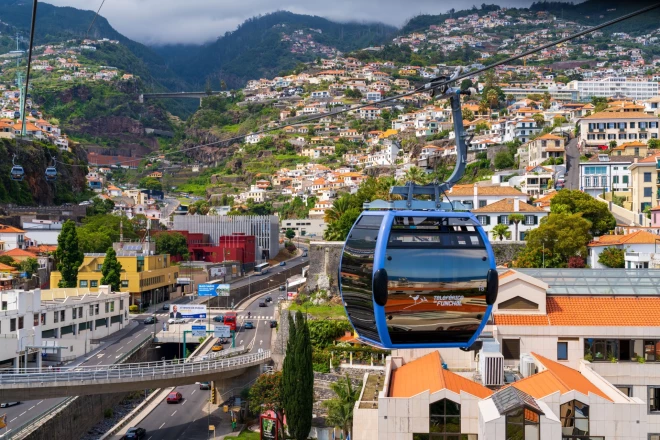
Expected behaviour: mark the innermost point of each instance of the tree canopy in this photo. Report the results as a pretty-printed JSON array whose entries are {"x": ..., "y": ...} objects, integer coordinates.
[
  {"x": 172, "y": 243},
  {"x": 68, "y": 254},
  {"x": 99, "y": 232},
  {"x": 613, "y": 257},
  {"x": 151, "y": 183},
  {"x": 575, "y": 201},
  {"x": 111, "y": 270},
  {"x": 559, "y": 237}
]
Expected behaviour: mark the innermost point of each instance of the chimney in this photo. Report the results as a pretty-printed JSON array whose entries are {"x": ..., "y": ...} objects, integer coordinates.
[{"x": 516, "y": 204}]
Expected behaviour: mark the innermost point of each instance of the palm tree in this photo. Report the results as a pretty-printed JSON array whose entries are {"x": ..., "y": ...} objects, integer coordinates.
[
  {"x": 416, "y": 175},
  {"x": 483, "y": 107},
  {"x": 340, "y": 409},
  {"x": 516, "y": 218},
  {"x": 539, "y": 119},
  {"x": 501, "y": 231},
  {"x": 492, "y": 98},
  {"x": 339, "y": 207}
]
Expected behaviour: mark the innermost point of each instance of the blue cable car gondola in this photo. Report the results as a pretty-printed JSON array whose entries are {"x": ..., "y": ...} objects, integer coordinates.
[
  {"x": 420, "y": 273},
  {"x": 17, "y": 172},
  {"x": 51, "y": 172}
]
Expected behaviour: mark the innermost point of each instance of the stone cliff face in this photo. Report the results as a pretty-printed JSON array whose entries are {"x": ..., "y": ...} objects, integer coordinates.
[{"x": 69, "y": 186}]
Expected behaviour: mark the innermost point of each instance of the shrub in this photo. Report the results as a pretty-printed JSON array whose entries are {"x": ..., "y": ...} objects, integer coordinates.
[
  {"x": 133, "y": 309},
  {"x": 108, "y": 413}
]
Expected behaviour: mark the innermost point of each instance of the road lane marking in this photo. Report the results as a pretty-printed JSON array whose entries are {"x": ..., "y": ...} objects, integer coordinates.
[
  {"x": 193, "y": 392},
  {"x": 161, "y": 425},
  {"x": 184, "y": 402},
  {"x": 21, "y": 414},
  {"x": 174, "y": 413},
  {"x": 100, "y": 355},
  {"x": 32, "y": 407},
  {"x": 118, "y": 356},
  {"x": 150, "y": 438},
  {"x": 120, "y": 348},
  {"x": 39, "y": 402},
  {"x": 13, "y": 419}
]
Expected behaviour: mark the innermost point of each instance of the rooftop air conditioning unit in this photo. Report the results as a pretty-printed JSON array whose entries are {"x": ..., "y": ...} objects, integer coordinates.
[
  {"x": 527, "y": 365},
  {"x": 491, "y": 363}
]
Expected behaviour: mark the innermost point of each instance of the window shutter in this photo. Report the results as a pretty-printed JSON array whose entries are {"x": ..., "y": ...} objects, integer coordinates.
[
  {"x": 536, "y": 220},
  {"x": 499, "y": 219},
  {"x": 488, "y": 220}
]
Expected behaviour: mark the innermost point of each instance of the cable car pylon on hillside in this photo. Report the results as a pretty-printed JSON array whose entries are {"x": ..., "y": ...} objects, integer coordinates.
[{"x": 420, "y": 273}]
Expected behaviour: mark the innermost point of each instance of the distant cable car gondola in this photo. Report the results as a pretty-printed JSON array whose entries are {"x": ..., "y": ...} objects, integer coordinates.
[
  {"x": 51, "y": 174},
  {"x": 17, "y": 173},
  {"x": 420, "y": 273}
]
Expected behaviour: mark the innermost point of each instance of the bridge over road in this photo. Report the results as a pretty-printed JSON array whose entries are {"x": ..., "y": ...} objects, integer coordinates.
[
  {"x": 190, "y": 95},
  {"x": 32, "y": 384}
]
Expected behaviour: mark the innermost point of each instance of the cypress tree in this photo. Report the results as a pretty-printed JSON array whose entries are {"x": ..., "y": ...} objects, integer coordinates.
[
  {"x": 302, "y": 421},
  {"x": 289, "y": 368},
  {"x": 111, "y": 270},
  {"x": 68, "y": 254}
]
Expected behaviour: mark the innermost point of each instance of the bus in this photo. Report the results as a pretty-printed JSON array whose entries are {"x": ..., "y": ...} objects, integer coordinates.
[
  {"x": 261, "y": 269},
  {"x": 230, "y": 320}
]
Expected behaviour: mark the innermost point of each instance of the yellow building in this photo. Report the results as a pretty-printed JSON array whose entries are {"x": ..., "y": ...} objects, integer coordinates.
[
  {"x": 645, "y": 183},
  {"x": 148, "y": 278}
]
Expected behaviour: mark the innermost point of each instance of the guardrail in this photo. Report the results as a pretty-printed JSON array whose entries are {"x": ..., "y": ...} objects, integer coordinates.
[
  {"x": 144, "y": 370},
  {"x": 31, "y": 425}
]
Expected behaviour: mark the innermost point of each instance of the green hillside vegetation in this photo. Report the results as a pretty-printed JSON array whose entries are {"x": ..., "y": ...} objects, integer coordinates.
[
  {"x": 254, "y": 49},
  {"x": 58, "y": 24},
  {"x": 34, "y": 157}
]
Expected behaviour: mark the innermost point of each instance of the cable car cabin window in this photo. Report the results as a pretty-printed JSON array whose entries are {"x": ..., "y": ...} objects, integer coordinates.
[
  {"x": 437, "y": 268},
  {"x": 356, "y": 275}
]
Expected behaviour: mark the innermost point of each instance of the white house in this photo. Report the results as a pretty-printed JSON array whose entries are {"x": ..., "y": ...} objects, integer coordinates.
[
  {"x": 639, "y": 247},
  {"x": 499, "y": 212},
  {"x": 11, "y": 238}
]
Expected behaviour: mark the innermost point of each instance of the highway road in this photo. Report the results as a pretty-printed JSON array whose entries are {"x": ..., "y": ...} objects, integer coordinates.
[
  {"x": 572, "y": 165},
  {"x": 119, "y": 343},
  {"x": 189, "y": 419}
]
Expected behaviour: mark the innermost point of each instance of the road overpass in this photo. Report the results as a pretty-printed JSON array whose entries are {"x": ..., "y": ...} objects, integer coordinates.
[
  {"x": 32, "y": 383},
  {"x": 188, "y": 95}
]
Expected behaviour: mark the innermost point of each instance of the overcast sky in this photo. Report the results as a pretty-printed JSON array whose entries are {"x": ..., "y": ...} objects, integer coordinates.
[{"x": 199, "y": 21}]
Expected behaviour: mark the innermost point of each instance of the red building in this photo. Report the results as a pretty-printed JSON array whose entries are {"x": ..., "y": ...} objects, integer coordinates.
[{"x": 237, "y": 247}]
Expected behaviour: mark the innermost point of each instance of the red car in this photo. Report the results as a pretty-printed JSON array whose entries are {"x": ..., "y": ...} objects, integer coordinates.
[{"x": 174, "y": 397}]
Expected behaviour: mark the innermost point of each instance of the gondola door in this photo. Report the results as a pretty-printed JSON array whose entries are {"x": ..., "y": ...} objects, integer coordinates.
[{"x": 437, "y": 265}]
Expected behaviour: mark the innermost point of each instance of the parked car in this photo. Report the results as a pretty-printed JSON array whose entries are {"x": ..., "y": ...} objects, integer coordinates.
[
  {"x": 217, "y": 346},
  {"x": 269, "y": 299},
  {"x": 304, "y": 255},
  {"x": 223, "y": 340},
  {"x": 282, "y": 288},
  {"x": 262, "y": 304},
  {"x": 280, "y": 298},
  {"x": 219, "y": 318},
  {"x": 135, "y": 433},
  {"x": 248, "y": 325},
  {"x": 8, "y": 404},
  {"x": 283, "y": 263},
  {"x": 174, "y": 397},
  {"x": 166, "y": 306},
  {"x": 204, "y": 386},
  {"x": 176, "y": 321},
  {"x": 273, "y": 324},
  {"x": 150, "y": 320}
]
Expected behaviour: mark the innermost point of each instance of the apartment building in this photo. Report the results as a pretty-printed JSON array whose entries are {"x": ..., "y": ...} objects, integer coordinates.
[
  {"x": 11, "y": 238},
  {"x": 548, "y": 146},
  {"x": 605, "y": 173},
  {"x": 599, "y": 129},
  {"x": 66, "y": 319},
  {"x": 536, "y": 181},
  {"x": 499, "y": 213},
  {"x": 477, "y": 196},
  {"x": 314, "y": 227},
  {"x": 644, "y": 183},
  {"x": 614, "y": 86},
  {"x": 147, "y": 276},
  {"x": 580, "y": 348}
]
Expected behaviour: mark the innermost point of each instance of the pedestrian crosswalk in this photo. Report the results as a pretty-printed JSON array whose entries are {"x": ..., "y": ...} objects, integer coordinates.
[{"x": 240, "y": 317}]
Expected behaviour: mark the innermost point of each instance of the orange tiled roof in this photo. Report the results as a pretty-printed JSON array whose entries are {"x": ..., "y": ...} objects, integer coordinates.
[
  {"x": 506, "y": 205},
  {"x": 591, "y": 311},
  {"x": 19, "y": 253},
  {"x": 620, "y": 115},
  {"x": 468, "y": 190},
  {"x": 5, "y": 229},
  {"x": 549, "y": 136},
  {"x": 557, "y": 377},
  {"x": 7, "y": 268},
  {"x": 638, "y": 237},
  {"x": 650, "y": 159},
  {"x": 630, "y": 144},
  {"x": 426, "y": 373}
]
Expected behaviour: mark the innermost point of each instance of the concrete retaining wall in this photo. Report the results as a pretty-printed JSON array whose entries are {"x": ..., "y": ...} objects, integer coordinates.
[{"x": 84, "y": 412}]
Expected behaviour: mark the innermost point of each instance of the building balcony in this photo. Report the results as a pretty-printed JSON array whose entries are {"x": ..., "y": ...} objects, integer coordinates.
[{"x": 639, "y": 257}]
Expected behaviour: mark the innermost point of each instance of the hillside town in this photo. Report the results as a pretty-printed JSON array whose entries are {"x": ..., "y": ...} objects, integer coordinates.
[{"x": 262, "y": 260}]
